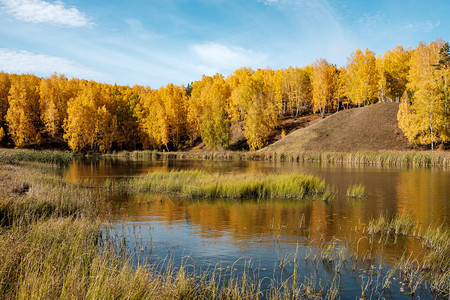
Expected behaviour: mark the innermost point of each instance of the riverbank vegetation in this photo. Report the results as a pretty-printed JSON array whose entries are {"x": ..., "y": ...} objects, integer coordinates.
[
  {"x": 40, "y": 156},
  {"x": 86, "y": 116},
  {"x": 377, "y": 158}
]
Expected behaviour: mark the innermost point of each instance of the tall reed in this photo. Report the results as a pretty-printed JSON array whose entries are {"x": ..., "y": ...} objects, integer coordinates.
[{"x": 198, "y": 184}]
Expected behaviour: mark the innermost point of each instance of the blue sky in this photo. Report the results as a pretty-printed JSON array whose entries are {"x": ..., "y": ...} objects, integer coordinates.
[{"x": 155, "y": 42}]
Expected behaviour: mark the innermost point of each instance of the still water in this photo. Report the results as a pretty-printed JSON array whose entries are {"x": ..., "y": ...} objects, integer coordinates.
[{"x": 262, "y": 237}]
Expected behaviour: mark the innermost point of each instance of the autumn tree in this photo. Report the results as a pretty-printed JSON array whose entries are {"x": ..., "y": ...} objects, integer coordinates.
[
  {"x": 23, "y": 116},
  {"x": 442, "y": 80},
  {"x": 174, "y": 99},
  {"x": 124, "y": 100},
  {"x": 339, "y": 95},
  {"x": 5, "y": 85},
  {"x": 427, "y": 122},
  {"x": 323, "y": 78},
  {"x": 165, "y": 115},
  {"x": 259, "y": 116},
  {"x": 240, "y": 93},
  {"x": 292, "y": 90},
  {"x": 90, "y": 125},
  {"x": 362, "y": 78},
  {"x": 209, "y": 111},
  {"x": 55, "y": 93},
  {"x": 393, "y": 70}
]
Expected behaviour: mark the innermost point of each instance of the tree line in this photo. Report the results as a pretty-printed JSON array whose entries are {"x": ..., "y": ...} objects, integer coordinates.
[{"x": 92, "y": 116}]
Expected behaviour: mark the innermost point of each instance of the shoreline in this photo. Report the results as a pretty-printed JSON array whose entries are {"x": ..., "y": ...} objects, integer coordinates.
[{"x": 439, "y": 159}]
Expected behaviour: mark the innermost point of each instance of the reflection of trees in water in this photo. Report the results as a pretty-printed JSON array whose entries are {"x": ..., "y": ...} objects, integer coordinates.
[
  {"x": 100, "y": 169},
  {"x": 426, "y": 194}
]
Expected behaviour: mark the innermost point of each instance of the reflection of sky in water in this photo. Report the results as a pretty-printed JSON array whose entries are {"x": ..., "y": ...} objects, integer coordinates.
[
  {"x": 224, "y": 232},
  {"x": 179, "y": 243}
]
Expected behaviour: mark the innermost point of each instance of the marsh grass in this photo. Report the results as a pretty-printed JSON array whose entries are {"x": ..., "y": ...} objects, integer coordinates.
[
  {"x": 41, "y": 156},
  {"x": 379, "y": 158},
  {"x": 356, "y": 191},
  {"x": 198, "y": 184},
  {"x": 432, "y": 267},
  {"x": 397, "y": 225}
]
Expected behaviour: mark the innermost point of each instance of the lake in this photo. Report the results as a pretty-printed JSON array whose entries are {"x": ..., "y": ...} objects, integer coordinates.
[{"x": 261, "y": 238}]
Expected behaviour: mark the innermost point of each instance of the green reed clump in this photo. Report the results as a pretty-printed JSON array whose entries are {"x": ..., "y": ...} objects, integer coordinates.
[
  {"x": 356, "y": 191},
  {"x": 198, "y": 184},
  {"x": 397, "y": 225}
]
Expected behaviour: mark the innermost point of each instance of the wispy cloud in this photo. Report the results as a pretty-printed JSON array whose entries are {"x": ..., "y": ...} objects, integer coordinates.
[
  {"x": 39, "y": 11},
  {"x": 221, "y": 57},
  {"x": 137, "y": 29},
  {"x": 421, "y": 26},
  {"x": 270, "y": 2},
  {"x": 19, "y": 61}
]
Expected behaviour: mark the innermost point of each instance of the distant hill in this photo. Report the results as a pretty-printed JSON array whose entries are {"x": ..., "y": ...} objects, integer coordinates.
[{"x": 372, "y": 128}]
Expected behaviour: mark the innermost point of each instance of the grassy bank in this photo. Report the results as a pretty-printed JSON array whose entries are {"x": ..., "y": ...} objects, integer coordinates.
[
  {"x": 199, "y": 184},
  {"x": 41, "y": 156},
  {"x": 379, "y": 158}
]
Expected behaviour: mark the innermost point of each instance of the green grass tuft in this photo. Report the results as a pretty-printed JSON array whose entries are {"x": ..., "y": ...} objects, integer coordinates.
[{"x": 356, "y": 191}]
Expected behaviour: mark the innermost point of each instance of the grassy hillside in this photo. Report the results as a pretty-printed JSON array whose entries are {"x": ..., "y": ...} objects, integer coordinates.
[{"x": 371, "y": 128}]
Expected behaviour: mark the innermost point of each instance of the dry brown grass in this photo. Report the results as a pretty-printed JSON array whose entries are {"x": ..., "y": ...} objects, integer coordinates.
[{"x": 369, "y": 128}]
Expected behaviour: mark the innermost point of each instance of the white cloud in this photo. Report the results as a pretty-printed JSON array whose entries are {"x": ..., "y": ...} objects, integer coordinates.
[
  {"x": 13, "y": 61},
  {"x": 40, "y": 11},
  {"x": 221, "y": 57}
]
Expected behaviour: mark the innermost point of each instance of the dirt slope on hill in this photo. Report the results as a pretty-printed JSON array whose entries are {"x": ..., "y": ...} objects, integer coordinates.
[{"x": 373, "y": 127}]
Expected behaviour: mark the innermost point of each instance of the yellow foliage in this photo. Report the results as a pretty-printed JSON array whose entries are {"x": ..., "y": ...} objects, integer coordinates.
[
  {"x": 99, "y": 117},
  {"x": 165, "y": 115},
  {"x": 362, "y": 78},
  {"x": 23, "y": 112},
  {"x": 393, "y": 70},
  {"x": 322, "y": 83},
  {"x": 426, "y": 121},
  {"x": 2, "y": 134},
  {"x": 5, "y": 85}
]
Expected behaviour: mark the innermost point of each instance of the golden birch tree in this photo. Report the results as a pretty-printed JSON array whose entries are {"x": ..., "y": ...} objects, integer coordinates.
[
  {"x": 5, "y": 85},
  {"x": 23, "y": 116},
  {"x": 322, "y": 84}
]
